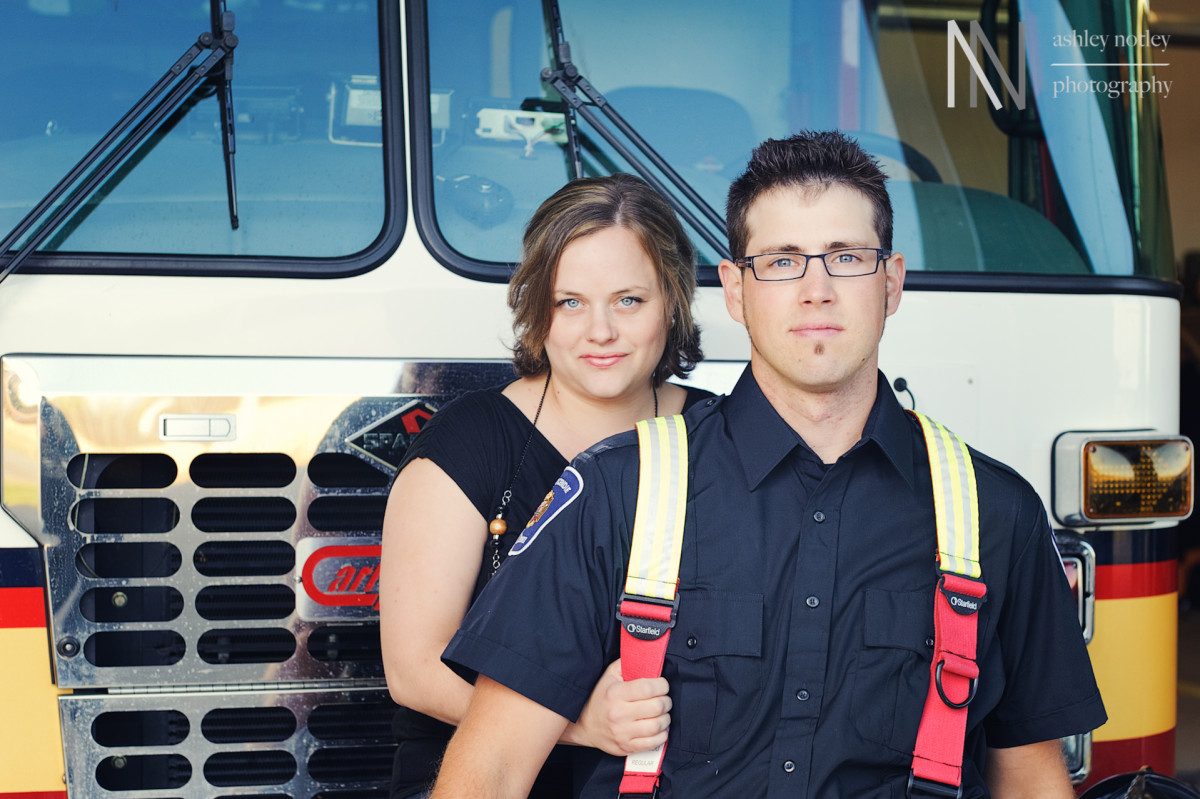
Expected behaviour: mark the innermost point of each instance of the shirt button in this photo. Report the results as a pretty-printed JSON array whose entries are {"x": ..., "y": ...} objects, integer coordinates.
[
  {"x": 692, "y": 641},
  {"x": 789, "y": 766},
  {"x": 710, "y": 403},
  {"x": 818, "y": 517},
  {"x": 802, "y": 695},
  {"x": 929, "y": 642},
  {"x": 812, "y": 601}
]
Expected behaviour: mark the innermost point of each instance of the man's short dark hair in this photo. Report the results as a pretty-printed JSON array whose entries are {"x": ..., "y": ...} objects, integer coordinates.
[{"x": 807, "y": 160}]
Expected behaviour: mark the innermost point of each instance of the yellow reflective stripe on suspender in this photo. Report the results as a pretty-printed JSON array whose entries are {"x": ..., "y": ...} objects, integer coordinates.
[
  {"x": 955, "y": 498},
  {"x": 661, "y": 505}
]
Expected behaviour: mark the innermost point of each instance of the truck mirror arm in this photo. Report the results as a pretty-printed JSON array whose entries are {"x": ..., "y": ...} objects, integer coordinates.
[{"x": 568, "y": 82}]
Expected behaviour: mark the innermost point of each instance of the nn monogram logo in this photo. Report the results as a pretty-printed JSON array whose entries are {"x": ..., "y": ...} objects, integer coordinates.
[{"x": 954, "y": 35}]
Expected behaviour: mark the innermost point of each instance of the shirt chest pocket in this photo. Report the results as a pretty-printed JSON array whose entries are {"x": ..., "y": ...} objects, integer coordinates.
[
  {"x": 714, "y": 667},
  {"x": 891, "y": 677}
]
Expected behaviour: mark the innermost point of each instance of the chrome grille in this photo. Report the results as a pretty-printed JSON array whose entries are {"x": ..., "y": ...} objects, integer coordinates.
[
  {"x": 179, "y": 524},
  {"x": 244, "y": 743},
  {"x": 211, "y": 535}
]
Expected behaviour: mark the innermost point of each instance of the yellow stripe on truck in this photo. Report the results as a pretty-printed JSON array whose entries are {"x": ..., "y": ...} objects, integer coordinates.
[
  {"x": 31, "y": 749},
  {"x": 1133, "y": 655}
]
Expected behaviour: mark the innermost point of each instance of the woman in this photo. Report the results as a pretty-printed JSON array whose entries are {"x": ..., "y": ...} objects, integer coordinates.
[{"x": 602, "y": 316}]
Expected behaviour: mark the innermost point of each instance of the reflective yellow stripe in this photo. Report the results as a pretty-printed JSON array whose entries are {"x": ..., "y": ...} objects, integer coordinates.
[
  {"x": 661, "y": 506},
  {"x": 955, "y": 498}
]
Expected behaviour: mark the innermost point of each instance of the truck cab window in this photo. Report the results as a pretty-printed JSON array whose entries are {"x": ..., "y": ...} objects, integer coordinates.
[
  {"x": 1007, "y": 191},
  {"x": 308, "y": 114}
]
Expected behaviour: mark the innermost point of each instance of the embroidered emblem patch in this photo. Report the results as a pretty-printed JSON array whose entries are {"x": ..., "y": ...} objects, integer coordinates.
[
  {"x": 565, "y": 490},
  {"x": 537, "y": 514}
]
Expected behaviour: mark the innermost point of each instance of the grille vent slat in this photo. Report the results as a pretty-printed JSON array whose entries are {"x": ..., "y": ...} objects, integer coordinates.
[
  {"x": 132, "y": 603},
  {"x": 248, "y": 724},
  {"x": 336, "y": 764},
  {"x": 143, "y": 772},
  {"x": 149, "y": 559},
  {"x": 134, "y": 470},
  {"x": 125, "y": 515},
  {"x": 244, "y": 558},
  {"x": 140, "y": 728},
  {"x": 261, "y": 645},
  {"x": 225, "y": 602},
  {"x": 351, "y": 721},
  {"x": 134, "y": 648},
  {"x": 341, "y": 470},
  {"x": 349, "y": 512},
  {"x": 242, "y": 470},
  {"x": 346, "y": 643},
  {"x": 268, "y": 767},
  {"x": 375, "y": 794},
  {"x": 243, "y": 514}
]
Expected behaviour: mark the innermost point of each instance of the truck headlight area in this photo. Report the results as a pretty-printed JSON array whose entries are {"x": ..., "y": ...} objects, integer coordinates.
[{"x": 1108, "y": 478}]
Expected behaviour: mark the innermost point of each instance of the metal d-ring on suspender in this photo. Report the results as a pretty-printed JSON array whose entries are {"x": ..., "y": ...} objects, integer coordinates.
[
  {"x": 648, "y": 606},
  {"x": 938, "y": 754}
]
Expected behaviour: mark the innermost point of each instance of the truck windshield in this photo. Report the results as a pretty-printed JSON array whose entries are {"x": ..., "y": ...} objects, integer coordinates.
[
  {"x": 1063, "y": 179},
  {"x": 308, "y": 117}
]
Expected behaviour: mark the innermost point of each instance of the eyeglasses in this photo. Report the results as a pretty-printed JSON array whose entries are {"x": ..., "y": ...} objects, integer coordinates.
[{"x": 852, "y": 262}]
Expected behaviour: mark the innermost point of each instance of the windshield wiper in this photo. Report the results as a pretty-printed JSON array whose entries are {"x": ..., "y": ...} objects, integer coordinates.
[
  {"x": 217, "y": 68},
  {"x": 222, "y": 30},
  {"x": 568, "y": 82}
]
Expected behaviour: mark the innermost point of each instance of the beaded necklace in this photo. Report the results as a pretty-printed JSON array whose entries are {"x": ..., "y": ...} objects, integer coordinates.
[{"x": 497, "y": 526}]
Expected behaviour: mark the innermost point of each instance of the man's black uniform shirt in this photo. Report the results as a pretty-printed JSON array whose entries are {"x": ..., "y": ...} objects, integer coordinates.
[{"x": 800, "y": 660}]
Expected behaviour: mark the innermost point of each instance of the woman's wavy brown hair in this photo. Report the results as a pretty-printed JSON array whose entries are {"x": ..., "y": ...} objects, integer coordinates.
[{"x": 583, "y": 207}]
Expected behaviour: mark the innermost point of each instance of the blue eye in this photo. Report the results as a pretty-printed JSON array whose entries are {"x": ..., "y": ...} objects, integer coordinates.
[
  {"x": 570, "y": 303},
  {"x": 629, "y": 302},
  {"x": 847, "y": 257},
  {"x": 782, "y": 262}
]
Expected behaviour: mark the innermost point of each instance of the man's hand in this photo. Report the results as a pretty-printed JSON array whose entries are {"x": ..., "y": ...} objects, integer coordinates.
[
  {"x": 499, "y": 747},
  {"x": 621, "y": 717},
  {"x": 1036, "y": 771}
]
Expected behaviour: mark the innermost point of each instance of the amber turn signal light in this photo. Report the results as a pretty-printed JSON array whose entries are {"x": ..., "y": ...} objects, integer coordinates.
[{"x": 1107, "y": 478}]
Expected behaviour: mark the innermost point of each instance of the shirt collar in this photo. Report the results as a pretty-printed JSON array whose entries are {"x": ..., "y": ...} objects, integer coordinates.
[
  {"x": 892, "y": 429},
  {"x": 762, "y": 438}
]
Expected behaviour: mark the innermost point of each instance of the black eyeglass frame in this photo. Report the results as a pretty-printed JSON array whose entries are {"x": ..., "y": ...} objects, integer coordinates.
[{"x": 881, "y": 255}]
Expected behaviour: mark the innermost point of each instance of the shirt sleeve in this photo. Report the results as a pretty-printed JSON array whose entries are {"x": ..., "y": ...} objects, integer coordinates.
[
  {"x": 1050, "y": 690},
  {"x": 466, "y": 439},
  {"x": 545, "y": 625}
]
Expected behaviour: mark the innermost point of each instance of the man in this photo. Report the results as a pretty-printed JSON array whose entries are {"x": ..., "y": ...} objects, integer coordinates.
[{"x": 800, "y": 660}]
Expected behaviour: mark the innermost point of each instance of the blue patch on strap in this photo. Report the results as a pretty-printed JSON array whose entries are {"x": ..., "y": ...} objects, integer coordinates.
[{"x": 566, "y": 489}]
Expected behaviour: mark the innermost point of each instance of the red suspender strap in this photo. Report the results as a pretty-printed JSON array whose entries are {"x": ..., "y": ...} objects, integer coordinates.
[
  {"x": 953, "y": 674},
  {"x": 645, "y": 630},
  {"x": 938, "y": 756},
  {"x": 648, "y": 605}
]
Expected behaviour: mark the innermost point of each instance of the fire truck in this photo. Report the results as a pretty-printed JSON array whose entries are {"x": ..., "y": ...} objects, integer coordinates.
[{"x": 250, "y": 246}]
